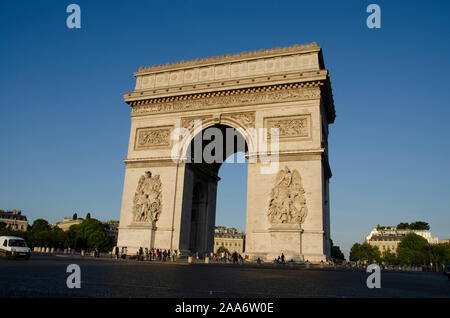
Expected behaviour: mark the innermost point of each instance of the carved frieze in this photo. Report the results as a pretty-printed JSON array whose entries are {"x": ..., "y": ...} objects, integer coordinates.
[
  {"x": 290, "y": 126},
  {"x": 225, "y": 99},
  {"x": 147, "y": 199},
  {"x": 188, "y": 122},
  {"x": 232, "y": 57},
  {"x": 152, "y": 137},
  {"x": 246, "y": 120},
  {"x": 287, "y": 200}
]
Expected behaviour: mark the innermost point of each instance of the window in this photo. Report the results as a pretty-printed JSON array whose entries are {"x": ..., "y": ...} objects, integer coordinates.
[
  {"x": 5, "y": 243},
  {"x": 20, "y": 243}
]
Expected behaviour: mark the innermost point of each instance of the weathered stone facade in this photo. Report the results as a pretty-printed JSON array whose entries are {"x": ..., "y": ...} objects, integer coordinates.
[{"x": 288, "y": 209}]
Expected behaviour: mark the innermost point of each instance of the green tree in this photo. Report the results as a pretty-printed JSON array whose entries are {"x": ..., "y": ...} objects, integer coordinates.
[
  {"x": 57, "y": 237},
  {"x": 419, "y": 225},
  {"x": 88, "y": 216},
  {"x": 40, "y": 225},
  {"x": 336, "y": 253},
  {"x": 75, "y": 216},
  {"x": 412, "y": 249},
  {"x": 89, "y": 234},
  {"x": 365, "y": 252},
  {"x": 355, "y": 252},
  {"x": 402, "y": 226},
  {"x": 40, "y": 234},
  {"x": 389, "y": 257},
  {"x": 438, "y": 254},
  {"x": 222, "y": 249}
]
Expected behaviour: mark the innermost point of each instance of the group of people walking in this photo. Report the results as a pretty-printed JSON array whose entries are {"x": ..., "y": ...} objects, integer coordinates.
[
  {"x": 234, "y": 257},
  {"x": 153, "y": 254},
  {"x": 156, "y": 254}
]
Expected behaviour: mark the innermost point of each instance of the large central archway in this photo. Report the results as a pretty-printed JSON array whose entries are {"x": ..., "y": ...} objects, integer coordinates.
[
  {"x": 200, "y": 185},
  {"x": 280, "y": 97}
]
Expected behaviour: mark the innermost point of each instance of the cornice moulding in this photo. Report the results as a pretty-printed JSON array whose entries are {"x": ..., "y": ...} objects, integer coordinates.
[{"x": 244, "y": 56}]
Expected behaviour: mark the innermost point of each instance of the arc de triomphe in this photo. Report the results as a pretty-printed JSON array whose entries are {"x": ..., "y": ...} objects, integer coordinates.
[{"x": 281, "y": 94}]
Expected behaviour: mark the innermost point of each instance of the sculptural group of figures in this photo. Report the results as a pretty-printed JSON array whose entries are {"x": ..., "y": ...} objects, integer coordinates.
[
  {"x": 147, "y": 199},
  {"x": 287, "y": 202}
]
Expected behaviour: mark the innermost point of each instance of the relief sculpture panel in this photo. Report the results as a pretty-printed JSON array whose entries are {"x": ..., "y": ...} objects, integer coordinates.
[
  {"x": 147, "y": 199},
  {"x": 152, "y": 137},
  {"x": 287, "y": 200},
  {"x": 290, "y": 126}
]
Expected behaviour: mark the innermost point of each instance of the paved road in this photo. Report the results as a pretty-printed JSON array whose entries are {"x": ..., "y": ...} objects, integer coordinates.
[{"x": 45, "y": 276}]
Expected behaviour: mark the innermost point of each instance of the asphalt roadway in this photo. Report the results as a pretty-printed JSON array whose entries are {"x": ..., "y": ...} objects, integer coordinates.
[{"x": 45, "y": 276}]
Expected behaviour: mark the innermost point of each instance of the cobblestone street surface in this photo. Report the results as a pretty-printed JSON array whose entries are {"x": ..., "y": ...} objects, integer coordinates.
[{"x": 45, "y": 276}]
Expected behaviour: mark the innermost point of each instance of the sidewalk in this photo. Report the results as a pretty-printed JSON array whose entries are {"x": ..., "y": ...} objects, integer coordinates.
[{"x": 248, "y": 264}]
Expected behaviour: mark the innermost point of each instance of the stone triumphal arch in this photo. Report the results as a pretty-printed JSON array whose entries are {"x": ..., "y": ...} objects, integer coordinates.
[{"x": 280, "y": 98}]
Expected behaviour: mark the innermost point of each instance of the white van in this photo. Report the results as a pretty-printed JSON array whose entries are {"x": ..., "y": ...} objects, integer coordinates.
[{"x": 13, "y": 247}]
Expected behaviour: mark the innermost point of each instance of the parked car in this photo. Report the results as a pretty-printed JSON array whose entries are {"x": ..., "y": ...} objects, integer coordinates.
[
  {"x": 447, "y": 271},
  {"x": 13, "y": 247}
]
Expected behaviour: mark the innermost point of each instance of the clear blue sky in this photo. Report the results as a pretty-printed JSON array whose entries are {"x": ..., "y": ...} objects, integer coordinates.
[{"x": 64, "y": 127}]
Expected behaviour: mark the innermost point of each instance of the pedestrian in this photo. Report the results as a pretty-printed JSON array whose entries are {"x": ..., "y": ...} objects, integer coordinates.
[
  {"x": 282, "y": 258},
  {"x": 116, "y": 252},
  {"x": 235, "y": 257},
  {"x": 141, "y": 253}
]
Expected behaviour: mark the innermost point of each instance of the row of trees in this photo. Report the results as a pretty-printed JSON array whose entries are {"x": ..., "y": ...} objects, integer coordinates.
[
  {"x": 413, "y": 249},
  {"x": 89, "y": 234},
  {"x": 419, "y": 225}
]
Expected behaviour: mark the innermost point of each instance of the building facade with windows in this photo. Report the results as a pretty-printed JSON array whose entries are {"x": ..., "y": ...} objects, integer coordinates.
[
  {"x": 14, "y": 220},
  {"x": 386, "y": 242},
  {"x": 230, "y": 238},
  {"x": 389, "y": 237}
]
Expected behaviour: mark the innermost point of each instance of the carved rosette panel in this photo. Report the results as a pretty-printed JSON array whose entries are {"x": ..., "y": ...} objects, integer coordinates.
[
  {"x": 147, "y": 199},
  {"x": 224, "y": 99},
  {"x": 287, "y": 201},
  {"x": 290, "y": 126},
  {"x": 246, "y": 120},
  {"x": 152, "y": 137}
]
